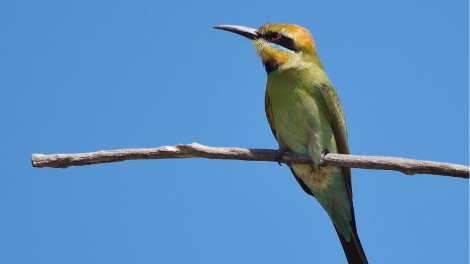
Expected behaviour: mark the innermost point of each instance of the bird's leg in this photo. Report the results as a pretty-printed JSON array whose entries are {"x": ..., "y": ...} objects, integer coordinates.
[
  {"x": 281, "y": 151},
  {"x": 323, "y": 154}
]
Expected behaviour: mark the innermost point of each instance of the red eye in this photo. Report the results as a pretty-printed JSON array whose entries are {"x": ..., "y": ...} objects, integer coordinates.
[{"x": 276, "y": 36}]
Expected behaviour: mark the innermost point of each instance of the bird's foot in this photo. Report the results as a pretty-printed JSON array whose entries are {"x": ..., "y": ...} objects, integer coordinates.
[
  {"x": 323, "y": 154},
  {"x": 281, "y": 151}
]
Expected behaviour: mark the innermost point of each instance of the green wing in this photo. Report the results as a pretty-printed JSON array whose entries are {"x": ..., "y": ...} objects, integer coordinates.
[
  {"x": 335, "y": 115},
  {"x": 353, "y": 248}
]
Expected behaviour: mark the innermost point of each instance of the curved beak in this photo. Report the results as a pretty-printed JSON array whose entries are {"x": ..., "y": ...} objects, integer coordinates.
[{"x": 247, "y": 32}]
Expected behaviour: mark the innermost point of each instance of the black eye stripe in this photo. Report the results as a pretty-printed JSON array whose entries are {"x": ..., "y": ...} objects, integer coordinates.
[
  {"x": 288, "y": 43},
  {"x": 284, "y": 41}
]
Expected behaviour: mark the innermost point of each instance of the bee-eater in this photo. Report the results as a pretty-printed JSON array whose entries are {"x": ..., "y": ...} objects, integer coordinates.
[{"x": 306, "y": 117}]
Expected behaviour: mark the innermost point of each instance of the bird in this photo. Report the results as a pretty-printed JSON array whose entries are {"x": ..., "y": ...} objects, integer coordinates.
[{"x": 306, "y": 117}]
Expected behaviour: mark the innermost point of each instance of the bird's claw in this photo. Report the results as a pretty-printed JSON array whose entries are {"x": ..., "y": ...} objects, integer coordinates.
[
  {"x": 281, "y": 151},
  {"x": 323, "y": 154}
]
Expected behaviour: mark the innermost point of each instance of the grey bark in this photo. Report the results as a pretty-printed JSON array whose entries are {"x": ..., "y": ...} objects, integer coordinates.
[{"x": 195, "y": 150}]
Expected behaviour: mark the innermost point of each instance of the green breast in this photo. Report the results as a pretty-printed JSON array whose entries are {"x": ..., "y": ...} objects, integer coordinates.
[{"x": 299, "y": 116}]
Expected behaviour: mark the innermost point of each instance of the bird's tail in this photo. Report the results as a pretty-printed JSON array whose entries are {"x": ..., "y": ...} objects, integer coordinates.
[{"x": 352, "y": 248}]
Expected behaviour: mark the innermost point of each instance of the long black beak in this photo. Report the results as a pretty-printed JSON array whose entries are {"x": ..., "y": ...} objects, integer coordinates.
[{"x": 247, "y": 32}]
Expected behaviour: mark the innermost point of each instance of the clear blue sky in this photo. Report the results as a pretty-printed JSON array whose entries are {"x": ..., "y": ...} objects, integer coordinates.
[{"x": 79, "y": 76}]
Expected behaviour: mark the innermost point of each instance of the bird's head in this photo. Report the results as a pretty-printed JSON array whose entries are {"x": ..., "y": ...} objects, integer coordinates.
[{"x": 279, "y": 45}]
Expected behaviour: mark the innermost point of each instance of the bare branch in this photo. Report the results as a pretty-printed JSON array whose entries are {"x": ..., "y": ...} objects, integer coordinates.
[{"x": 195, "y": 150}]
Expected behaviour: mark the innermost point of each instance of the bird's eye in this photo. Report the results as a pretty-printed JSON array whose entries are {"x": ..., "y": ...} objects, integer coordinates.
[{"x": 276, "y": 36}]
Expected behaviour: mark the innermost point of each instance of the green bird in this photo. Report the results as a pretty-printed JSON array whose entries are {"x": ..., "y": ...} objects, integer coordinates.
[{"x": 306, "y": 117}]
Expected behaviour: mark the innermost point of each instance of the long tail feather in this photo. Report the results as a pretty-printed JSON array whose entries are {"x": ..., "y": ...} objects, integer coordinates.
[{"x": 353, "y": 249}]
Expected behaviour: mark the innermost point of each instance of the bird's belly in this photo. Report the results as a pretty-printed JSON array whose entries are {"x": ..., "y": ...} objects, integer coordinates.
[{"x": 317, "y": 179}]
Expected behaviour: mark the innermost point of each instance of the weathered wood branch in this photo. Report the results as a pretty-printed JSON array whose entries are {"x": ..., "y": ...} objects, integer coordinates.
[{"x": 195, "y": 150}]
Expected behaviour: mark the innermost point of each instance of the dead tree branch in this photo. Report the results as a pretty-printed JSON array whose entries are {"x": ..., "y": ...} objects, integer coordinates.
[{"x": 194, "y": 150}]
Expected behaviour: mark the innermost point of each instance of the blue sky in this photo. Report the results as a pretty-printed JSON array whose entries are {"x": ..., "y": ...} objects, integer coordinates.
[{"x": 80, "y": 76}]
